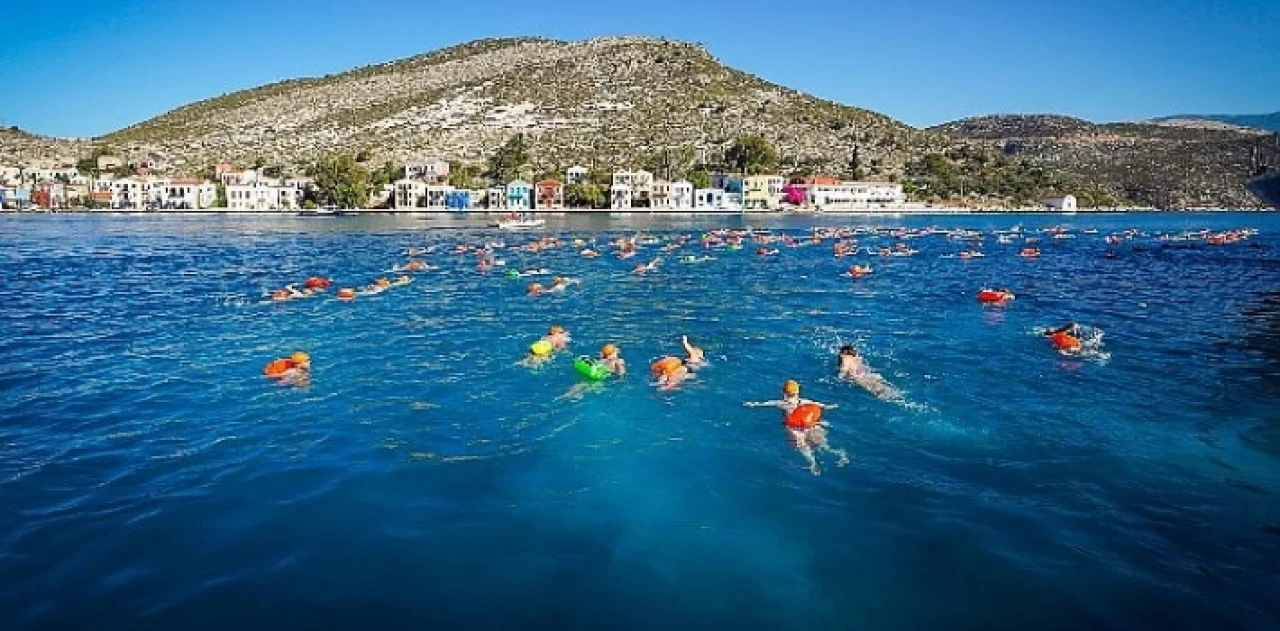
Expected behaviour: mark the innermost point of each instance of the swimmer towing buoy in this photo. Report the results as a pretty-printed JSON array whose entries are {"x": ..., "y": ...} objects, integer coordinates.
[{"x": 590, "y": 369}]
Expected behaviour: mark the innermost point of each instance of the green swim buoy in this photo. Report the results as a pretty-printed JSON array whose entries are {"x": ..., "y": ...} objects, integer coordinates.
[
  {"x": 513, "y": 274},
  {"x": 590, "y": 369}
]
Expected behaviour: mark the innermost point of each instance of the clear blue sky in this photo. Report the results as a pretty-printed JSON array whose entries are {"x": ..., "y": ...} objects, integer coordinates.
[{"x": 81, "y": 68}]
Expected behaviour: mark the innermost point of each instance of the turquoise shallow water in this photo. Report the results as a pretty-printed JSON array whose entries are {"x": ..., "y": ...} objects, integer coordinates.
[{"x": 151, "y": 478}]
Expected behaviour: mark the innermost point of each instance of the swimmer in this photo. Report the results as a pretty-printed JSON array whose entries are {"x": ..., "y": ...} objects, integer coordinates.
[
  {"x": 851, "y": 367},
  {"x": 558, "y": 337},
  {"x": 673, "y": 373},
  {"x": 610, "y": 359},
  {"x": 535, "y": 289},
  {"x": 294, "y": 370},
  {"x": 559, "y": 284},
  {"x": 648, "y": 267},
  {"x": 1065, "y": 339},
  {"x": 696, "y": 357},
  {"x": 402, "y": 280},
  {"x": 806, "y": 438}
]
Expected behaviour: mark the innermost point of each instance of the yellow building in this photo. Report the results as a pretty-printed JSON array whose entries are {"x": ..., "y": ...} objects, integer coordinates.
[{"x": 762, "y": 191}]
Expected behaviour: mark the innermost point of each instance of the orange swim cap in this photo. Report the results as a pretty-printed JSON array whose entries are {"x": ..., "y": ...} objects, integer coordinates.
[
  {"x": 557, "y": 330},
  {"x": 790, "y": 387},
  {"x": 609, "y": 350},
  {"x": 300, "y": 358}
]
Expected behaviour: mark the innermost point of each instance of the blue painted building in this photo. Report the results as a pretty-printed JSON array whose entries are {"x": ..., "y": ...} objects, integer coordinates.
[{"x": 458, "y": 200}]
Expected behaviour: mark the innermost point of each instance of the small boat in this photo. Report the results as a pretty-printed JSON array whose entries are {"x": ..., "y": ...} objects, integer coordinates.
[
  {"x": 515, "y": 222},
  {"x": 318, "y": 212}
]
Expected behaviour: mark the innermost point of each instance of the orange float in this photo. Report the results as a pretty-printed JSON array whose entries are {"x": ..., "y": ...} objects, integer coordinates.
[
  {"x": 318, "y": 282},
  {"x": 278, "y": 367},
  {"x": 1065, "y": 342},
  {"x": 665, "y": 365},
  {"x": 991, "y": 296},
  {"x": 346, "y": 293},
  {"x": 805, "y": 416},
  {"x": 1029, "y": 253}
]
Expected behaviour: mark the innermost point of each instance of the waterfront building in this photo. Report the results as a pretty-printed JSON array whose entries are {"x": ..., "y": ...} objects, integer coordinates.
[
  {"x": 708, "y": 199},
  {"x": 853, "y": 194},
  {"x": 437, "y": 196},
  {"x": 1066, "y": 203},
  {"x": 620, "y": 196},
  {"x": 639, "y": 182},
  {"x": 576, "y": 174},
  {"x": 520, "y": 195},
  {"x": 762, "y": 191},
  {"x": 496, "y": 197},
  {"x": 550, "y": 194},
  {"x": 730, "y": 184},
  {"x": 184, "y": 194},
  {"x": 458, "y": 199},
  {"x": 409, "y": 194},
  {"x": 261, "y": 196},
  {"x": 429, "y": 170}
]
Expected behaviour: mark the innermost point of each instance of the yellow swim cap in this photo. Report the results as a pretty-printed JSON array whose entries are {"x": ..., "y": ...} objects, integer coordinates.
[
  {"x": 300, "y": 358},
  {"x": 790, "y": 387},
  {"x": 609, "y": 350},
  {"x": 541, "y": 348}
]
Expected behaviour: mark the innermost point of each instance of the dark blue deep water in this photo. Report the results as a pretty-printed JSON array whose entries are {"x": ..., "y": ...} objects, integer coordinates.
[{"x": 150, "y": 477}]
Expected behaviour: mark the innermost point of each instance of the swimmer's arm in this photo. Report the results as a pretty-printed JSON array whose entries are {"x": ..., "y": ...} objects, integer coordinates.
[{"x": 763, "y": 404}]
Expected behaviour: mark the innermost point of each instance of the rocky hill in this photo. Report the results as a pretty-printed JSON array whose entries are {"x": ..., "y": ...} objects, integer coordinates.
[
  {"x": 1266, "y": 122},
  {"x": 612, "y": 101},
  {"x": 17, "y": 146},
  {"x": 1167, "y": 166}
]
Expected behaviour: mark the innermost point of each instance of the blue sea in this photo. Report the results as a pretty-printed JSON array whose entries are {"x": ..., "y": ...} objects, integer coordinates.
[{"x": 152, "y": 478}]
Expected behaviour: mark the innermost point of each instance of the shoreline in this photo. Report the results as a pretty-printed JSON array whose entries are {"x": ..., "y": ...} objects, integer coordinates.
[{"x": 636, "y": 212}]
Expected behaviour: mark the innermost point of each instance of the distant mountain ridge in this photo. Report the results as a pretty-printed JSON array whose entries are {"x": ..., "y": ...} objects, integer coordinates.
[
  {"x": 1268, "y": 122},
  {"x": 1165, "y": 166}
]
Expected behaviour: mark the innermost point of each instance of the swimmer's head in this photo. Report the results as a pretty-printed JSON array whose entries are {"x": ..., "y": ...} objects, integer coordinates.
[
  {"x": 557, "y": 281},
  {"x": 382, "y": 282},
  {"x": 848, "y": 350},
  {"x": 790, "y": 388},
  {"x": 556, "y": 330},
  {"x": 300, "y": 359},
  {"x": 609, "y": 350}
]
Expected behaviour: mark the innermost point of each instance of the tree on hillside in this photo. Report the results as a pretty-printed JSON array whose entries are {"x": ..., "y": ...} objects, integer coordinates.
[
  {"x": 506, "y": 163},
  {"x": 463, "y": 174},
  {"x": 752, "y": 154},
  {"x": 386, "y": 174},
  {"x": 585, "y": 195},
  {"x": 700, "y": 178},
  {"x": 341, "y": 181},
  {"x": 671, "y": 163}
]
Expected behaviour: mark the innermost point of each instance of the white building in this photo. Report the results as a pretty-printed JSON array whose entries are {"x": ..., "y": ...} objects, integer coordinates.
[
  {"x": 263, "y": 196},
  {"x": 184, "y": 194},
  {"x": 640, "y": 183},
  {"x": 708, "y": 199},
  {"x": 52, "y": 174},
  {"x": 673, "y": 195},
  {"x": 427, "y": 170},
  {"x": 128, "y": 193},
  {"x": 409, "y": 194},
  {"x": 854, "y": 194},
  {"x": 619, "y": 195},
  {"x": 1066, "y": 203},
  {"x": 575, "y": 175}
]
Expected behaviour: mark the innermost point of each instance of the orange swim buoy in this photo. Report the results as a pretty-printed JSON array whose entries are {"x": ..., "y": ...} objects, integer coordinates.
[
  {"x": 278, "y": 367},
  {"x": 991, "y": 296},
  {"x": 346, "y": 293},
  {"x": 1029, "y": 253},
  {"x": 665, "y": 365},
  {"x": 1065, "y": 342},
  {"x": 805, "y": 416},
  {"x": 318, "y": 282}
]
